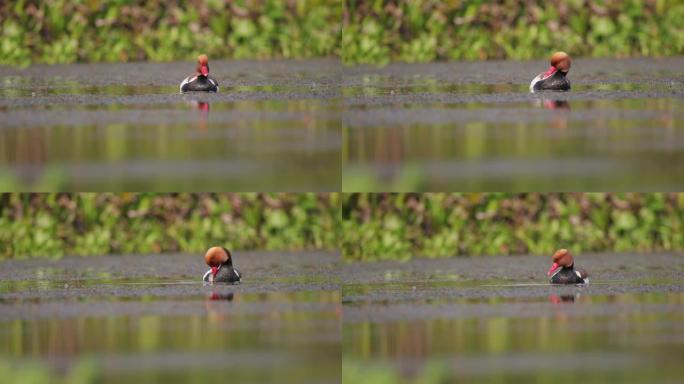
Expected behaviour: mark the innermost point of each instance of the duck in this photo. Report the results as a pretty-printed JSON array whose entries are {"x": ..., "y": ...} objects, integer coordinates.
[
  {"x": 555, "y": 78},
  {"x": 200, "y": 80},
  {"x": 563, "y": 269},
  {"x": 220, "y": 261}
]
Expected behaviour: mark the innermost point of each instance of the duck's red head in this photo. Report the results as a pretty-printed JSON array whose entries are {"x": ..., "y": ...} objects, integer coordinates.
[
  {"x": 215, "y": 257},
  {"x": 560, "y": 61},
  {"x": 562, "y": 258},
  {"x": 203, "y": 65}
]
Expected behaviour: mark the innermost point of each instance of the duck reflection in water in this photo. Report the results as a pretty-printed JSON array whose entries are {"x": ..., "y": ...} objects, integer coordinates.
[
  {"x": 556, "y": 104},
  {"x": 203, "y": 108},
  {"x": 566, "y": 298},
  {"x": 220, "y": 296},
  {"x": 561, "y": 105},
  {"x": 219, "y": 305},
  {"x": 561, "y": 108}
]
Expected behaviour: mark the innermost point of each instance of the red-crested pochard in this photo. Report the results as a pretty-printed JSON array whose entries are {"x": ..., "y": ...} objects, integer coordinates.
[
  {"x": 563, "y": 269},
  {"x": 200, "y": 80},
  {"x": 555, "y": 78},
  {"x": 221, "y": 263}
]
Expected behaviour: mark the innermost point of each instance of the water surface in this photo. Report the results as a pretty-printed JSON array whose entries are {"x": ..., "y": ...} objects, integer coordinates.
[
  {"x": 275, "y": 126},
  {"x": 149, "y": 318},
  {"x": 451, "y": 320}
]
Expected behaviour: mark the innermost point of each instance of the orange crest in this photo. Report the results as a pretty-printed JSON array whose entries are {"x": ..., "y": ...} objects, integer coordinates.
[
  {"x": 216, "y": 256},
  {"x": 561, "y": 61}
]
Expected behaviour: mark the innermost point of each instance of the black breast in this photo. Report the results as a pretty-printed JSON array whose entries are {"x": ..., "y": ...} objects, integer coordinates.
[
  {"x": 227, "y": 274},
  {"x": 566, "y": 276},
  {"x": 555, "y": 82},
  {"x": 200, "y": 84}
]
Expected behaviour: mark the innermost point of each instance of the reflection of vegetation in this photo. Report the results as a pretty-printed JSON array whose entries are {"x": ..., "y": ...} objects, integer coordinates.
[
  {"x": 446, "y": 370},
  {"x": 397, "y": 226},
  {"x": 52, "y": 179},
  {"x": 92, "y": 224},
  {"x": 379, "y": 31},
  {"x": 57, "y": 31},
  {"x": 359, "y": 372},
  {"x": 434, "y": 149},
  {"x": 463, "y": 349},
  {"x": 91, "y": 346},
  {"x": 408, "y": 179},
  {"x": 32, "y": 159},
  {"x": 83, "y": 372}
]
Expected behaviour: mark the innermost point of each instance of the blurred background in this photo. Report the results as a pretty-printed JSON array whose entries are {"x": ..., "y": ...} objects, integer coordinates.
[
  {"x": 58, "y": 31},
  {"x": 88, "y": 224},
  {"x": 441, "y": 225},
  {"x": 379, "y": 31}
]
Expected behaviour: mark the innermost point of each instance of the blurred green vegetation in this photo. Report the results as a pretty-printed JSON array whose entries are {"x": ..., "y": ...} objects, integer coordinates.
[
  {"x": 399, "y": 226},
  {"x": 60, "y": 31},
  {"x": 83, "y": 372},
  {"x": 379, "y": 31},
  {"x": 359, "y": 372},
  {"x": 53, "y": 225}
]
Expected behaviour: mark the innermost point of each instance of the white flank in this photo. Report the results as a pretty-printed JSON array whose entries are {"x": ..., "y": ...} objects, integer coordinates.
[
  {"x": 535, "y": 81},
  {"x": 185, "y": 81},
  {"x": 213, "y": 82}
]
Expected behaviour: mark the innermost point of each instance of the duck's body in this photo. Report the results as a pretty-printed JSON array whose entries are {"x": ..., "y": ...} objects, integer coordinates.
[
  {"x": 200, "y": 80},
  {"x": 199, "y": 83},
  {"x": 563, "y": 270},
  {"x": 568, "y": 276},
  {"x": 555, "y": 79},
  {"x": 221, "y": 263},
  {"x": 224, "y": 274}
]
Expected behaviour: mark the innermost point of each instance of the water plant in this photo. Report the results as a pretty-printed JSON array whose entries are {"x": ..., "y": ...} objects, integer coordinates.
[
  {"x": 59, "y": 31},
  {"x": 53, "y": 225},
  {"x": 400, "y": 226},
  {"x": 380, "y": 31}
]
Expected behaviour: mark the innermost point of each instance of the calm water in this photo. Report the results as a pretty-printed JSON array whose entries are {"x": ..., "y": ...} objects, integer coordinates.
[
  {"x": 79, "y": 325},
  {"x": 464, "y": 126},
  {"x": 252, "y": 337},
  {"x": 436, "y": 321},
  {"x": 553, "y": 342},
  {"x": 274, "y": 126}
]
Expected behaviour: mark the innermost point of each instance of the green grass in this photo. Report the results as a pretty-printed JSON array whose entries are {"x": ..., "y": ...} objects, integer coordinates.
[
  {"x": 61, "y": 31},
  {"x": 373, "y": 31},
  {"x": 400, "y": 226},
  {"x": 378, "y": 31},
  {"x": 53, "y": 225}
]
